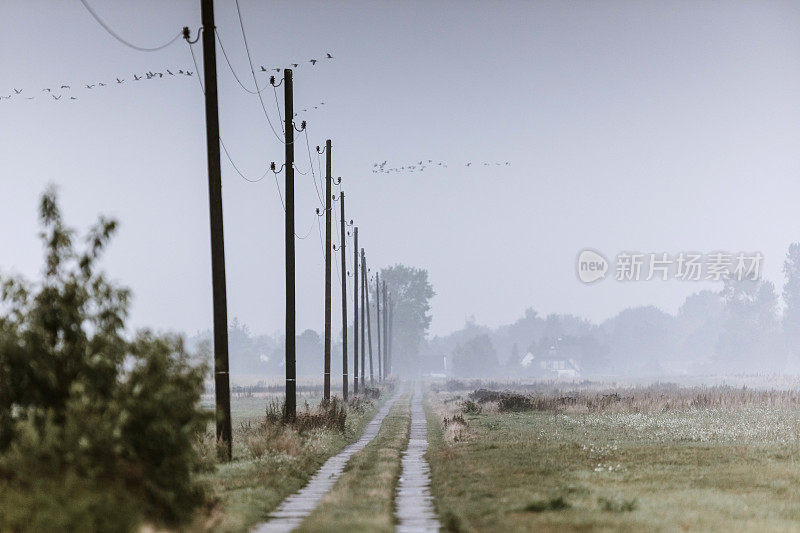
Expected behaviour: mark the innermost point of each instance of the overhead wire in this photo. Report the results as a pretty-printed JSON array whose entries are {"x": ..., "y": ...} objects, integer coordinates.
[
  {"x": 233, "y": 71},
  {"x": 225, "y": 150},
  {"x": 252, "y": 71},
  {"x": 123, "y": 41}
]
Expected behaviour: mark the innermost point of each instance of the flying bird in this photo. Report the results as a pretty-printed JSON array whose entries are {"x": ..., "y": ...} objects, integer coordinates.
[
  {"x": 170, "y": 72},
  {"x": 17, "y": 91},
  {"x": 48, "y": 90},
  {"x": 180, "y": 70},
  {"x": 56, "y": 97},
  {"x": 262, "y": 69},
  {"x": 295, "y": 65},
  {"x": 468, "y": 164},
  {"x": 330, "y": 56},
  {"x": 89, "y": 86},
  {"x": 72, "y": 98},
  {"x": 189, "y": 73},
  {"x": 313, "y": 61},
  {"x": 101, "y": 84},
  {"x": 65, "y": 87},
  {"x": 277, "y": 70},
  {"x": 137, "y": 78},
  {"x": 119, "y": 80}
]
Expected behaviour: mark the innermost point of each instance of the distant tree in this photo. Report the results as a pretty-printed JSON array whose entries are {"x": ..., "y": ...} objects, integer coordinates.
[
  {"x": 639, "y": 339},
  {"x": 476, "y": 358},
  {"x": 698, "y": 326},
  {"x": 749, "y": 340},
  {"x": 410, "y": 294},
  {"x": 96, "y": 430},
  {"x": 791, "y": 299}
]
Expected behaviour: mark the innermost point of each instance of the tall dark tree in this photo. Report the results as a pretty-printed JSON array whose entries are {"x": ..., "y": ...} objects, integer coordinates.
[
  {"x": 791, "y": 298},
  {"x": 410, "y": 293},
  {"x": 749, "y": 340}
]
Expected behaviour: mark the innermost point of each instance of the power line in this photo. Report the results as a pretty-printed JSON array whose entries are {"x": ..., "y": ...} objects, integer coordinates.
[
  {"x": 120, "y": 39},
  {"x": 228, "y": 155},
  {"x": 252, "y": 71},
  {"x": 230, "y": 66},
  {"x": 278, "y": 107},
  {"x": 277, "y": 185}
]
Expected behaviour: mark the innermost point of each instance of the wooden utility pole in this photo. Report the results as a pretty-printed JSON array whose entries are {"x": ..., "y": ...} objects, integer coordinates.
[
  {"x": 327, "y": 385},
  {"x": 378, "y": 322},
  {"x": 345, "y": 377},
  {"x": 364, "y": 271},
  {"x": 291, "y": 376},
  {"x": 222, "y": 390},
  {"x": 363, "y": 312},
  {"x": 355, "y": 310},
  {"x": 391, "y": 332},
  {"x": 385, "y": 330}
]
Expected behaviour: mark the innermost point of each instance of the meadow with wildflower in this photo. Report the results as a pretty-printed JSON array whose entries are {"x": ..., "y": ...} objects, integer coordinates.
[{"x": 656, "y": 457}]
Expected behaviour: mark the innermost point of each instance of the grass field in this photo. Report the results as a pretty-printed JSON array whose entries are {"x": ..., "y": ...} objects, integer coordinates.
[
  {"x": 658, "y": 458},
  {"x": 269, "y": 464}
]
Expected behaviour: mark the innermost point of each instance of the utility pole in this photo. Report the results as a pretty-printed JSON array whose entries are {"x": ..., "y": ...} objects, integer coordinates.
[
  {"x": 355, "y": 311},
  {"x": 364, "y": 271},
  {"x": 345, "y": 377},
  {"x": 327, "y": 380},
  {"x": 291, "y": 377},
  {"x": 378, "y": 322},
  {"x": 222, "y": 390},
  {"x": 391, "y": 332},
  {"x": 385, "y": 330},
  {"x": 363, "y": 312}
]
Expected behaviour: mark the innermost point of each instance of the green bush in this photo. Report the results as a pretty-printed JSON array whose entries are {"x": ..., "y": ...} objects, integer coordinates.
[{"x": 96, "y": 430}]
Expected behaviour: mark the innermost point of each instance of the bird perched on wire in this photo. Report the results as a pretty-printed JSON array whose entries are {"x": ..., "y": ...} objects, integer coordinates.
[{"x": 295, "y": 65}]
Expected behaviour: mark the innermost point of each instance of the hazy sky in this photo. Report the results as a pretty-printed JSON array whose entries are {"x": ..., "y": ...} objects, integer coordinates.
[{"x": 661, "y": 126}]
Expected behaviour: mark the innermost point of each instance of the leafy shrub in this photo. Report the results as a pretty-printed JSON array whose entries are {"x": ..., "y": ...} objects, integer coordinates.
[
  {"x": 553, "y": 504},
  {"x": 618, "y": 505},
  {"x": 470, "y": 407},
  {"x": 85, "y": 413}
]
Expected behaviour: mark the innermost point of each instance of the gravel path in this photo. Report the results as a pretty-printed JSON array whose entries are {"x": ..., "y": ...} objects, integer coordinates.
[
  {"x": 414, "y": 502},
  {"x": 299, "y": 505}
]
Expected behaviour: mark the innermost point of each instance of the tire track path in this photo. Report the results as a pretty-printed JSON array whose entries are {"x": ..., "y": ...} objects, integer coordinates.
[
  {"x": 413, "y": 500},
  {"x": 299, "y": 505}
]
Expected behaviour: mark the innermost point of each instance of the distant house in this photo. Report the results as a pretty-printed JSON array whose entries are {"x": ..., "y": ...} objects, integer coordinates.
[{"x": 552, "y": 363}]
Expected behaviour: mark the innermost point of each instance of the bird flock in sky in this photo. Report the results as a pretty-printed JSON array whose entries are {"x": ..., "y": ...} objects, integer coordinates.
[
  {"x": 65, "y": 92},
  {"x": 420, "y": 166}
]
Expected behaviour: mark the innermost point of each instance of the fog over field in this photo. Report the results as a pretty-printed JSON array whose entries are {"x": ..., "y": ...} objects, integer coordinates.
[{"x": 429, "y": 265}]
